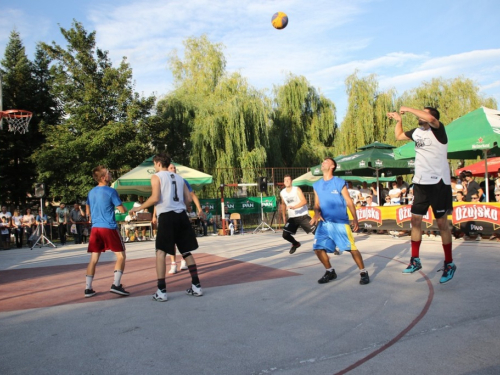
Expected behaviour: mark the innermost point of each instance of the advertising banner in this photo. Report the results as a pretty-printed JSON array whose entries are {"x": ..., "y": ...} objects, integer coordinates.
[
  {"x": 243, "y": 206},
  {"x": 474, "y": 217}
]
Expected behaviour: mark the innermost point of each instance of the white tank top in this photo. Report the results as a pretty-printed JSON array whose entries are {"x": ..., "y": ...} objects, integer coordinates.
[
  {"x": 291, "y": 199},
  {"x": 172, "y": 193}
]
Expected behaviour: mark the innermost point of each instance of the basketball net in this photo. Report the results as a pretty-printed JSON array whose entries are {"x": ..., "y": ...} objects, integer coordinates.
[{"x": 18, "y": 120}]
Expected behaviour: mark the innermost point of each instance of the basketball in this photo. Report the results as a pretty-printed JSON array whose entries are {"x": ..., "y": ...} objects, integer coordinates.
[{"x": 279, "y": 20}]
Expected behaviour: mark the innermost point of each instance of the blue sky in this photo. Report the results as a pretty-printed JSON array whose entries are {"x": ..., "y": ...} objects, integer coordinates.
[{"x": 404, "y": 42}]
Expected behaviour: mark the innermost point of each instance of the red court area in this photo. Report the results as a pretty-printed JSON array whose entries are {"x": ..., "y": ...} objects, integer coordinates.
[{"x": 30, "y": 288}]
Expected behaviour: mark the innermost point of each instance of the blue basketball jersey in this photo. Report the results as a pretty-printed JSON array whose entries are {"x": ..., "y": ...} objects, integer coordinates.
[
  {"x": 331, "y": 202},
  {"x": 102, "y": 201}
]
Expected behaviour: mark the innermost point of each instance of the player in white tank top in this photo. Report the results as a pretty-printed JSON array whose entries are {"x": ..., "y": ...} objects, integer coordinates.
[{"x": 294, "y": 202}]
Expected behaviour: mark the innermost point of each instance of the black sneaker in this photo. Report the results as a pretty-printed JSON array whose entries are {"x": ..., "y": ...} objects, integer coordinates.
[
  {"x": 89, "y": 293},
  {"x": 294, "y": 247},
  {"x": 329, "y": 275},
  {"x": 119, "y": 290},
  {"x": 365, "y": 279}
]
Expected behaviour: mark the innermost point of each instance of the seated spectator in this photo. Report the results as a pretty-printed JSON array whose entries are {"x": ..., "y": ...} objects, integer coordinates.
[
  {"x": 208, "y": 219},
  {"x": 131, "y": 227},
  {"x": 395, "y": 193},
  {"x": 370, "y": 202}
]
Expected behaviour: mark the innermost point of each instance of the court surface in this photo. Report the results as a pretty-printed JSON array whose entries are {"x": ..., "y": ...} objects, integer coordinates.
[{"x": 263, "y": 311}]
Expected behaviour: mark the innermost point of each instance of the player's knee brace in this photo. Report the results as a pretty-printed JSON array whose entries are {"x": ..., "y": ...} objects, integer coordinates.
[{"x": 185, "y": 255}]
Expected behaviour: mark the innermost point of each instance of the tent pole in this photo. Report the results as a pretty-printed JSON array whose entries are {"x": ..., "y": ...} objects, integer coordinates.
[{"x": 486, "y": 178}]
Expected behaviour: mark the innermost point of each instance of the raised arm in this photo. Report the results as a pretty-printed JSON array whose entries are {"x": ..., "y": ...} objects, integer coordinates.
[
  {"x": 424, "y": 115},
  {"x": 398, "y": 129}
]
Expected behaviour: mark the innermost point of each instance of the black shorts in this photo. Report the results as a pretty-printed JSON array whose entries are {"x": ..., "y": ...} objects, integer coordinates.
[
  {"x": 175, "y": 229},
  {"x": 294, "y": 223},
  {"x": 438, "y": 196}
]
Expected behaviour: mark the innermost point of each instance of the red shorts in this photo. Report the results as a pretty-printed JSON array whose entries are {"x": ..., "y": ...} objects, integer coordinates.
[{"x": 102, "y": 239}]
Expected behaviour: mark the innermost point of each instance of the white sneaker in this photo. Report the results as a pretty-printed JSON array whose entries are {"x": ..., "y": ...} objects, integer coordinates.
[
  {"x": 195, "y": 291},
  {"x": 184, "y": 265},
  {"x": 160, "y": 296},
  {"x": 173, "y": 268},
  {"x": 139, "y": 239},
  {"x": 127, "y": 239},
  {"x": 479, "y": 238}
]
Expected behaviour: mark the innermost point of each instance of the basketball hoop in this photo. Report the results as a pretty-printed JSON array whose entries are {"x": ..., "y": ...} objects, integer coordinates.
[{"x": 18, "y": 119}]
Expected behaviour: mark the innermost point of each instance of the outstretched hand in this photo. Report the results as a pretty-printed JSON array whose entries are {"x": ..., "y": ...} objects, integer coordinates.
[{"x": 394, "y": 115}]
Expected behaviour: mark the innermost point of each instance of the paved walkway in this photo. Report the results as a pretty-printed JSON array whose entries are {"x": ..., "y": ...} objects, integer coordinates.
[{"x": 263, "y": 312}]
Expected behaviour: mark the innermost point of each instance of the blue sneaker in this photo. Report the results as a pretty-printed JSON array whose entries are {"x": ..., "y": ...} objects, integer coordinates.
[
  {"x": 448, "y": 272},
  {"x": 414, "y": 266}
]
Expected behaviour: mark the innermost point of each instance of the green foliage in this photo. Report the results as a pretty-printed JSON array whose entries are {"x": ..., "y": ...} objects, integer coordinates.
[
  {"x": 213, "y": 121},
  {"x": 104, "y": 122},
  {"x": 365, "y": 121},
  {"x": 303, "y": 124},
  {"x": 22, "y": 89}
]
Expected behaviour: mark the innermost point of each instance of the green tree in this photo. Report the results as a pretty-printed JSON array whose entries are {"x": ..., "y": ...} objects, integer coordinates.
[
  {"x": 19, "y": 91},
  {"x": 104, "y": 121},
  {"x": 213, "y": 121},
  {"x": 303, "y": 124},
  {"x": 365, "y": 121}
]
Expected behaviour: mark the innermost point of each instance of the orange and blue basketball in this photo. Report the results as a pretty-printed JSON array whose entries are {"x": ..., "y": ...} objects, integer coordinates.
[{"x": 279, "y": 20}]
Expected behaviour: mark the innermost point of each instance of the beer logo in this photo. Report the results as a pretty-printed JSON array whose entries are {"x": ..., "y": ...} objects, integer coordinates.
[
  {"x": 476, "y": 212},
  {"x": 403, "y": 214},
  {"x": 247, "y": 204},
  {"x": 369, "y": 214}
]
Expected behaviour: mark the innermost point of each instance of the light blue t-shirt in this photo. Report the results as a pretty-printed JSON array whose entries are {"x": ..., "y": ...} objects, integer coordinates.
[
  {"x": 331, "y": 202},
  {"x": 102, "y": 201}
]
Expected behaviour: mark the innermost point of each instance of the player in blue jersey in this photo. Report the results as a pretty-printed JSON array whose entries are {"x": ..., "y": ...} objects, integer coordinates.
[
  {"x": 331, "y": 201},
  {"x": 101, "y": 203}
]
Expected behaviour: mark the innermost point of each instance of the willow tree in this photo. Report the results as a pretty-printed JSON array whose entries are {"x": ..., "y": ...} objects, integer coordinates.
[
  {"x": 452, "y": 97},
  {"x": 216, "y": 119},
  {"x": 303, "y": 124},
  {"x": 230, "y": 130},
  {"x": 365, "y": 121}
]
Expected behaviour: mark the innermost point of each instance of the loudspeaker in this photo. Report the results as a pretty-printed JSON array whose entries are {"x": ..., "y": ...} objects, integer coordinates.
[
  {"x": 262, "y": 184},
  {"x": 39, "y": 190}
]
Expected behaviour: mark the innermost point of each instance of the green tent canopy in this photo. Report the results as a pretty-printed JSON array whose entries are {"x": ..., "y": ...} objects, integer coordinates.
[{"x": 138, "y": 180}]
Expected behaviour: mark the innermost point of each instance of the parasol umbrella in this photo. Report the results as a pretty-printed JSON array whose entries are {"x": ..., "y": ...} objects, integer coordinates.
[
  {"x": 477, "y": 169},
  {"x": 371, "y": 160},
  {"x": 308, "y": 179},
  {"x": 138, "y": 180},
  {"x": 475, "y": 134}
]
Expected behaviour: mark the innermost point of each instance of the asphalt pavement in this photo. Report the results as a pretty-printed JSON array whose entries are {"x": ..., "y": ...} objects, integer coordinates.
[{"x": 263, "y": 311}]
